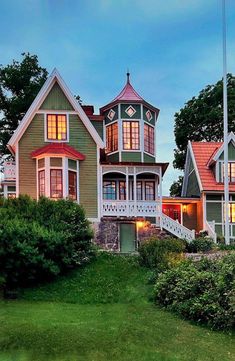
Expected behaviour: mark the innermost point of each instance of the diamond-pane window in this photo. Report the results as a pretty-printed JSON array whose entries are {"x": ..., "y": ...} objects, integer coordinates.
[
  {"x": 130, "y": 111},
  {"x": 149, "y": 115},
  {"x": 111, "y": 114}
]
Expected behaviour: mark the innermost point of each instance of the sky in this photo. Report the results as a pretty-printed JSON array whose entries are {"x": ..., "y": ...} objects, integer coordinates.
[{"x": 173, "y": 49}]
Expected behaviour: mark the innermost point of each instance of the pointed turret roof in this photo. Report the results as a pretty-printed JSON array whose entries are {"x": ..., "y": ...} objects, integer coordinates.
[{"x": 127, "y": 95}]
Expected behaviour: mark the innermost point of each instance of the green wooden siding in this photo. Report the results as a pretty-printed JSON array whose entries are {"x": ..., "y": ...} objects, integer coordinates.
[
  {"x": 82, "y": 141},
  {"x": 131, "y": 156},
  {"x": 113, "y": 157},
  {"x": 124, "y": 115},
  {"x": 32, "y": 139},
  {"x": 107, "y": 120},
  {"x": 214, "y": 211},
  {"x": 193, "y": 189},
  {"x": 152, "y": 121},
  {"x": 99, "y": 127},
  {"x": 148, "y": 158},
  {"x": 56, "y": 100}
]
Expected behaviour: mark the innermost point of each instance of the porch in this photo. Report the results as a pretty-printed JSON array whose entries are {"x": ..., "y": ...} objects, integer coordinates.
[{"x": 131, "y": 191}]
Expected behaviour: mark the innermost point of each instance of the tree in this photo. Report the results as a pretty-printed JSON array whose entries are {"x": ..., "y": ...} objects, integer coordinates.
[
  {"x": 19, "y": 84},
  {"x": 202, "y": 118},
  {"x": 176, "y": 187}
]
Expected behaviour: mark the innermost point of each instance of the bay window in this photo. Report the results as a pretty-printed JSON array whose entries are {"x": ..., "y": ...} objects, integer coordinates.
[
  {"x": 41, "y": 183},
  {"x": 112, "y": 137},
  {"x": 131, "y": 135},
  {"x": 72, "y": 185},
  {"x": 56, "y": 127},
  {"x": 148, "y": 139}
]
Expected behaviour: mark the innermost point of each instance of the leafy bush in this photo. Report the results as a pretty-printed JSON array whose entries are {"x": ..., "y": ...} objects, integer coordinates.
[
  {"x": 203, "y": 291},
  {"x": 41, "y": 239},
  {"x": 160, "y": 254},
  {"x": 200, "y": 244}
]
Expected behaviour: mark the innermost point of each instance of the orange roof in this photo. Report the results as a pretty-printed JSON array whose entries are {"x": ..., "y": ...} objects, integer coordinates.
[{"x": 203, "y": 152}]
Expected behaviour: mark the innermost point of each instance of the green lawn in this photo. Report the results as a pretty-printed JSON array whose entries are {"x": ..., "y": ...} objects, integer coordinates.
[{"x": 100, "y": 313}]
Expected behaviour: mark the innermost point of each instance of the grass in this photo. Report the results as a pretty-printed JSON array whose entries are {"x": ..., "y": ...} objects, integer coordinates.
[{"x": 100, "y": 313}]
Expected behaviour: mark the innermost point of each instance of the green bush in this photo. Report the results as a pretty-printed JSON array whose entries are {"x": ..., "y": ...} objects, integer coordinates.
[
  {"x": 202, "y": 291},
  {"x": 200, "y": 244},
  {"x": 159, "y": 254},
  {"x": 41, "y": 239}
]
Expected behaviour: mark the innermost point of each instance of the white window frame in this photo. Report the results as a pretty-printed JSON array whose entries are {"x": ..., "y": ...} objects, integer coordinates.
[{"x": 46, "y": 140}]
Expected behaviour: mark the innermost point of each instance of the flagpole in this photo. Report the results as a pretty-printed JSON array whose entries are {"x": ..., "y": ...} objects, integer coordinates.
[{"x": 225, "y": 111}]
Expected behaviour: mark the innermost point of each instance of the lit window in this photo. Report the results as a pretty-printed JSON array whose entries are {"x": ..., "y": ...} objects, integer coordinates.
[
  {"x": 122, "y": 190},
  {"x": 56, "y": 183},
  {"x": 56, "y": 127},
  {"x": 148, "y": 139},
  {"x": 41, "y": 183},
  {"x": 149, "y": 191},
  {"x": 72, "y": 185},
  {"x": 131, "y": 136},
  {"x": 109, "y": 190},
  {"x": 112, "y": 137},
  {"x": 130, "y": 111}
]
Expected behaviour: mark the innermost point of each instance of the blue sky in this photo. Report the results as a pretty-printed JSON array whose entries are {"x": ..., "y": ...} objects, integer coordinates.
[{"x": 172, "y": 48}]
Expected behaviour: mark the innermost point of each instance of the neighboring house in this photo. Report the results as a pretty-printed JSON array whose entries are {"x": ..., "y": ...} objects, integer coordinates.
[
  {"x": 105, "y": 162},
  {"x": 204, "y": 179}
]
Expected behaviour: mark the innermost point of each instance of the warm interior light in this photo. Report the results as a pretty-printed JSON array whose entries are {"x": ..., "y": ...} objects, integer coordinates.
[
  {"x": 184, "y": 208},
  {"x": 140, "y": 224}
]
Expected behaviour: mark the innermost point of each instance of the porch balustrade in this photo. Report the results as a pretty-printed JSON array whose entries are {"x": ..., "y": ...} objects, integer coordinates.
[{"x": 130, "y": 208}]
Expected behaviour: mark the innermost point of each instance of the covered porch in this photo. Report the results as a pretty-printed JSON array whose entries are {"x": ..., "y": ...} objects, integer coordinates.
[{"x": 131, "y": 191}]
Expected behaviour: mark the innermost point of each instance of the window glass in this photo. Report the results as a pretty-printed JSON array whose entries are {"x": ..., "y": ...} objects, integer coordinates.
[
  {"x": 139, "y": 193},
  {"x": 131, "y": 136},
  {"x": 149, "y": 191},
  {"x": 56, "y": 183},
  {"x": 148, "y": 139},
  {"x": 56, "y": 127},
  {"x": 109, "y": 190},
  {"x": 41, "y": 183},
  {"x": 112, "y": 137},
  {"x": 122, "y": 190},
  {"x": 72, "y": 185}
]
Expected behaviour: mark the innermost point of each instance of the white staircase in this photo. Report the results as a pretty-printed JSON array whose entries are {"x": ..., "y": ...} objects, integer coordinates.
[
  {"x": 210, "y": 228},
  {"x": 177, "y": 229}
]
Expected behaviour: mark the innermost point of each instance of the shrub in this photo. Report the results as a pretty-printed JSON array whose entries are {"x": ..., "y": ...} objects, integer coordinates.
[
  {"x": 41, "y": 239},
  {"x": 202, "y": 291},
  {"x": 200, "y": 244},
  {"x": 159, "y": 254}
]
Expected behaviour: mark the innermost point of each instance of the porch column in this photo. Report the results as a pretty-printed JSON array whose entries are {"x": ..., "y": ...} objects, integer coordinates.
[
  {"x": 156, "y": 197},
  {"x": 134, "y": 191},
  {"x": 160, "y": 196},
  {"x": 127, "y": 192}
]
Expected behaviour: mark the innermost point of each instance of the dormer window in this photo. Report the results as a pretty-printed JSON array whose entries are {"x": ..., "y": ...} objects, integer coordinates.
[
  {"x": 231, "y": 172},
  {"x": 57, "y": 127}
]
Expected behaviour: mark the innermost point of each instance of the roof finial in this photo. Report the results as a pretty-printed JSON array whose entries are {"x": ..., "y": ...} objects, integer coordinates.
[{"x": 128, "y": 76}]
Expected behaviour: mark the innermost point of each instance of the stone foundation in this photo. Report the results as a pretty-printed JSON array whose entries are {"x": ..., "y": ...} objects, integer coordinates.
[{"x": 106, "y": 232}]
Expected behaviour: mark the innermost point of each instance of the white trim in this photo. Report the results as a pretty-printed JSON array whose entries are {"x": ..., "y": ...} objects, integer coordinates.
[
  {"x": 231, "y": 137},
  {"x": 98, "y": 184},
  {"x": 17, "y": 170},
  {"x": 65, "y": 177},
  {"x": 78, "y": 182},
  {"x": 120, "y": 141},
  {"x": 48, "y": 111},
  {"x": 186, "y": 170},
  {"x": 195, "y": 166},
  {"x": 37, "y": 174},
  {"x": 54, "y": 77},
  {"x": 142, "y": 133},
  {"x": 47, "y": 177},
  {"x": 130, "y": 107}
]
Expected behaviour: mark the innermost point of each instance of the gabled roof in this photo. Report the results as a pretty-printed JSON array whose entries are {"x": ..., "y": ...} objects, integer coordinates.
[
  {"x": 58, "y": 149},
  {"x": 217, "y": 154},
  {"x": 52, "y": 79},
  {"x": 201, "y": 154},
  {"x": 128, "y": 95}
]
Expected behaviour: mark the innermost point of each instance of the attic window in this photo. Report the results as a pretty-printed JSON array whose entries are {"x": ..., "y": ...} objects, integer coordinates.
[
  {"x": 130, "y": 111},
  {"x": 149, "y": 115},
  {"x": 56, "y": 127},
  {"x": 111, "y": 114}
]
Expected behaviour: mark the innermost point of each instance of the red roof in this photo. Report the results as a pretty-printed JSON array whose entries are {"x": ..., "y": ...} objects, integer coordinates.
[
  {"x": 58, "y": 149},
  {"x": 203, "y": 152},
  {"x": 128, "y": 94}
]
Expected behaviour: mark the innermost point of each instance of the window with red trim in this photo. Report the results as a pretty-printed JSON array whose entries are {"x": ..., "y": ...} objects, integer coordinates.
[
  {"x": 56, "y": 183},
  {"x": 148, "y": 139},
  {"x": 72, "y": 185},
  {"x": 41, "y": 183},
  {"x": 56, "y": 127}
]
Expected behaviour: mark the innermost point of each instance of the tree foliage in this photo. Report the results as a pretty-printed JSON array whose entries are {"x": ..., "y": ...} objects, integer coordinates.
[
  {"x": 176, "y": 187},
  {"x": 202, "y": 118},
  {"x": 19, "y": 84}
]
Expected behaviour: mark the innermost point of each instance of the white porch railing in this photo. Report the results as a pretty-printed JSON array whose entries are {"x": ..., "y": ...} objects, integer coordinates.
[
  {"x": 130, "y": 208},
  {"x": 176, "y": 228},
  {"x": 210, "y": 228}
]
